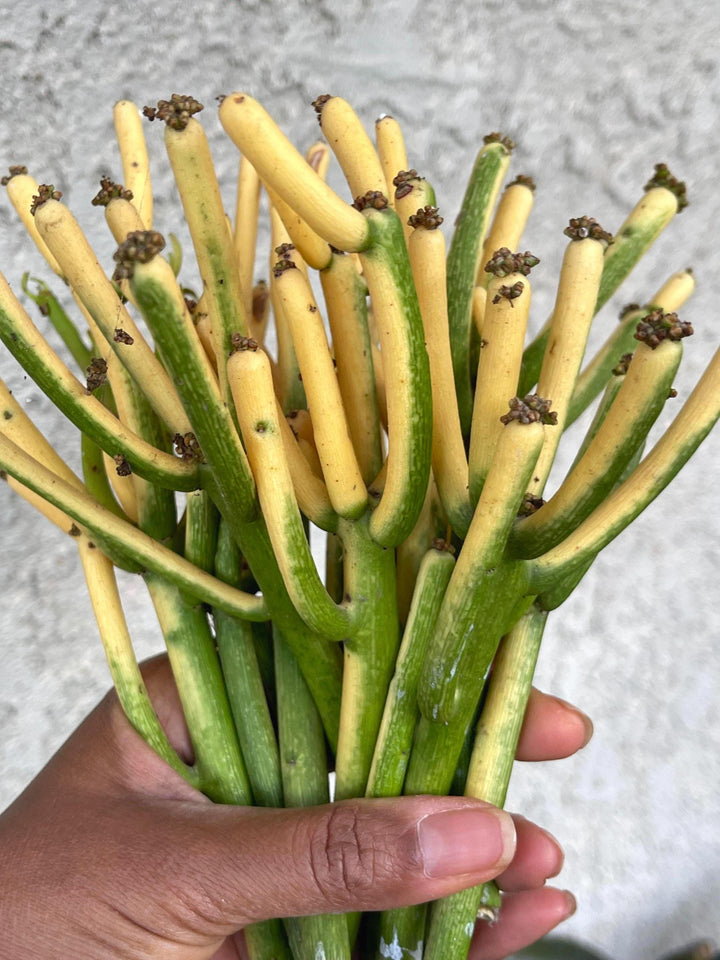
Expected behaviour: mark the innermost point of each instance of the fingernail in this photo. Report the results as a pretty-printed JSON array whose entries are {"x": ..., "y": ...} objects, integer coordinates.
[
  {"x": 468, "y": 840},
  {"x": 586, "y": 721},
  {"x": 571, "y": 903},
  {"x": 557, "y": 853}
]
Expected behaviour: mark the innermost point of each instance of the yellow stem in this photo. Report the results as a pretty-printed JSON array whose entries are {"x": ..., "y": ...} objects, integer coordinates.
[
  {"x": 391, "y": 149},
  {"x": 63, "y": 235},
  {"x": 134, "y": 156},
  {"x": 574, "y": 309},
  {"x": 285, "y": 170}
]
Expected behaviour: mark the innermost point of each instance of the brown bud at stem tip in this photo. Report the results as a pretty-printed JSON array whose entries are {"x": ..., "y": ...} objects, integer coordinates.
[
  {"x": 658, "y": 326},
  {"x": 403, "y": 176},
  {"x": 176, "y": 111},
  {"x": 319, "y": 102},
  {"x": 533, "y": 409},
  {"x": 13, "y": 172},
  {"x": 663, "y": 178},
  {"x": 46, "y": 191},
  {"x": 403, "y": 181},
  {"x": 522, "y": 180},
  {"x": 672, "y": 393},
  {"x": 582, "y": 228},
  {"x": 509, "y": 293},
  {"x": 530, "y": 505},
  {"x": 426, "y": 217},
  {"x": 503, "y": 262},
  {"x": 187, "y": 447},
  {"x": 373, "y": 198},
  {"x": 110, "y": 191},
  {"x": 3, "y": 475},
  {"x": 239, "y": 342},
  {"x": 96, "y": 374},
  {"x": 121, "y": 337},
  {"x": 140, "y": 246},
  {"x": 499, "y": 138},
  {"x": 191, "y": 305},
  {"x": 123, "y": 467},
  {"x": 622, "y": 366},
  {"x": 281, "y": 266}
]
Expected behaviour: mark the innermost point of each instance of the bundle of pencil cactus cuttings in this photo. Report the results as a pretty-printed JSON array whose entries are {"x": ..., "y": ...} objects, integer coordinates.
[{"x": 403, "y": 415}]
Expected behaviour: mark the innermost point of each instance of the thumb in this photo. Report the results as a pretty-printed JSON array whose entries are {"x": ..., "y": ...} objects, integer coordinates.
[{"x": 354, "y": 855}]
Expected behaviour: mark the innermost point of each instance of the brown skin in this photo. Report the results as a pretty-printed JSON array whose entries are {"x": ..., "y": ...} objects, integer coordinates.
[{"x": 110, "y": 854}]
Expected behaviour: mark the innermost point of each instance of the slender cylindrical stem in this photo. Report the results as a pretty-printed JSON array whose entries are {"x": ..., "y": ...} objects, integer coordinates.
[
  {"x": 504, "y": 326},
  {"x": 134, "y": 156},
  {"x": 32, "y": 351},
  {"x": 687, "y": 431},
  {"x": 452, "y": 921},
  {"x": 343, "y": 478},
  {"x": 484, "y": 588},
  {"x": 574, "y": 309},
  {"x": 449, "y": 461},
  {"x": 250, "y": 380},
  {"x": 243, "y": 681},
  {"x": 392, "y": 750},
  {"x": 352, "y": 146},
  {"x": 637, "y": 405},
  {"x": 464, "y": 260},
  {"x": 246, "y": 227},
  {"x": 63, "y": 235},
  {"x": 670, "y": 297},
  {"x": 257, "y": 137},
  {"x": 224, "y": 299},
  {"x": 391, "y": 150},
  {"x": 407, "y": 380},
  {"x": 369, "y": 654},
  {"x": 508, "y": 224},
  {"x": 305, "y": 783},
  {"x": 642, "y": 227},
  {"x": 345, "y": 297}
]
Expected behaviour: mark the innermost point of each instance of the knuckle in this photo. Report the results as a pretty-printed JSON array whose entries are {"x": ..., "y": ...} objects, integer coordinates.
[{"x": 350, "y": 855}]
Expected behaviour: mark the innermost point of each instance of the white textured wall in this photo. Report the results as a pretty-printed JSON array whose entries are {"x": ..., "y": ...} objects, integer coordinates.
[{"x": 594, "y": 95}]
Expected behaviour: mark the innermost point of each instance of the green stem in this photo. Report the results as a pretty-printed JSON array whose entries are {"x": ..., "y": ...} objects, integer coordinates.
[
  {"x": 246, "y": 694},
  {"x": 643, "y": 226},
  {"x": 96, "y": 478},
  {"x": 125, "y": 539},
  {"x": 200, "y": 684},
  {"x": 305, "y": 783},
  {"x": 485, "y": 587},
  {"x": 392, "y": 750},
  {"x": 463, "y": 261},
  {"x": 369, "y": 654},
  {"x": 625, "y": 426},
  {"x": 231, "y": 484},
  {"x": 453, "y": 919},
  {"x": 407, "y": 376},
  {"x": 50, "y": 307},
  {"x": 24, "y": 341}
]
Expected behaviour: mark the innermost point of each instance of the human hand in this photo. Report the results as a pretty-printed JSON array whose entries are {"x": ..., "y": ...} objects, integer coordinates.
[{"x": 109, "y": 853}]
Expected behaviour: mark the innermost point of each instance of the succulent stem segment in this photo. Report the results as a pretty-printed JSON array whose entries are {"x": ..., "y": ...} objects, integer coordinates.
[
  {"x": 464, "y": 260},
  {"x": 405, "y": 437}
]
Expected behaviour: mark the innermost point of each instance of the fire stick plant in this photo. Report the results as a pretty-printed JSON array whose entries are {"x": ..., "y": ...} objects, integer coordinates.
[{"x": 419, "y": 436}]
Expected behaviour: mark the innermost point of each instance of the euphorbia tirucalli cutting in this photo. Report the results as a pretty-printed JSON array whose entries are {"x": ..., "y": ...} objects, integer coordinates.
[{"x": 405, "y": 414}]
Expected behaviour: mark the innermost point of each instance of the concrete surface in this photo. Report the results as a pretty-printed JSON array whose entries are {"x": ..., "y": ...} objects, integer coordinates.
[{"x": 595, "y": 95}]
